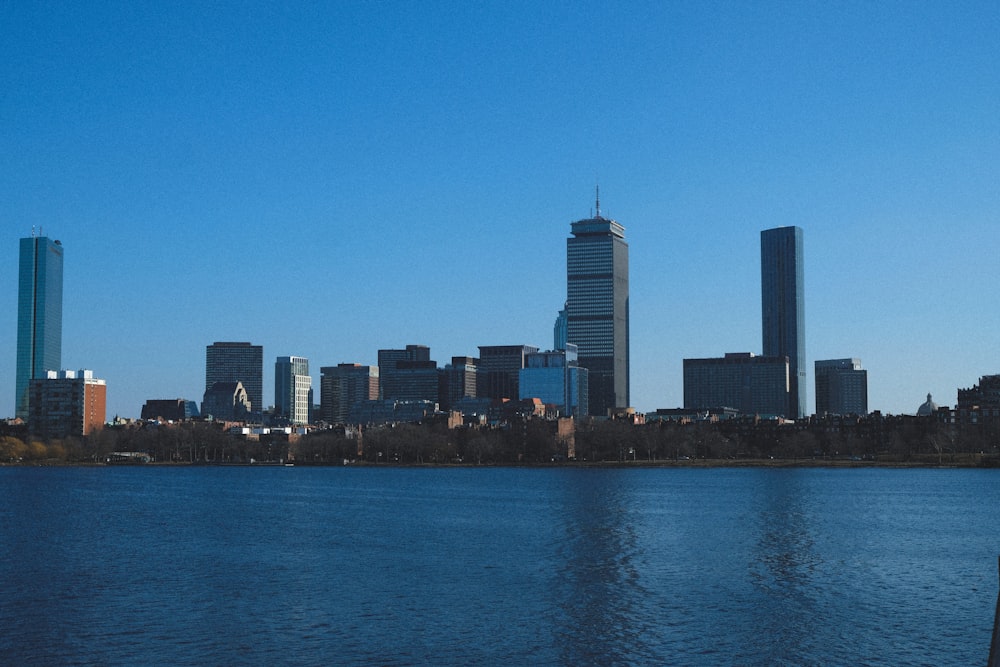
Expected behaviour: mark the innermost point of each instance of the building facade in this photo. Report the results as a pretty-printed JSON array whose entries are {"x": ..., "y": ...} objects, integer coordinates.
[
  {"x": 293, "y": 392},
  {"x": 460, "y": 378},
  {"x": 226, "y": 401},
  {"x": 344, "y": 385},
  {"x": 408, "y": 374},
  {"x": 559, "y": 332},
  {"x": 170, "y": 409},
  {"x": 237, "y": 362},
  {"x": 66, "y": 403},
  {"x": 556, "y": 379},
  {"x": 39, "y": 315},
  {"x": 499, "y": 370},
  {"x": 752, "y": 385},
  {"x": 841, "y": 387},
  {"x": 783, "y": 308},
  {"x": 597, "y": 317}
]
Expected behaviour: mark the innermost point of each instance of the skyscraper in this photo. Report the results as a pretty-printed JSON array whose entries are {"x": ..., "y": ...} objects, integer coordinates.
[
  {"x": 39, "y": 315},
  {"x": 292, "y": 390},
  {"x": 597, "y": 308},
  {"x": 783, "y": 308},
  {"x": 237, "y": 362}
]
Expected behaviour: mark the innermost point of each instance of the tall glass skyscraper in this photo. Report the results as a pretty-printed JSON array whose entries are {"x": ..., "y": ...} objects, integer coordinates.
[
  {"x": 597, "y": 308},
  {"x": 39, "y": 315},
  {"x": 783, "y": 308}
]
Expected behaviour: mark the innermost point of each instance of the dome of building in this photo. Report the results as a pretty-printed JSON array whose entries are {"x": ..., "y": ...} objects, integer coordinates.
[{"x": 928, "y": 408}]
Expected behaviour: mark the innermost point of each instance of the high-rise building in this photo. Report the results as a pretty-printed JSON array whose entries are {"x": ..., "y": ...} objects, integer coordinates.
[
  {"x": 39, "y": 315},
  {"x": 66, "y": 403},
  {"x": 398, "y": 369},
  {"x": 237, "y": 362},
  {"x": 460, "y": 377},
  {"x": 292, "y": 390},
  {"x": 556, "y": 379},
  {"x": 559, "y": 331},
  {"x": 344, "y": 385},
  {"x": 740, "y": 380},
  {"x": 841, "y": 387},
  {"x": 783, "y": 308},
  {"x": 498, "y": 372},
  {"x": 597, "y": 308}
]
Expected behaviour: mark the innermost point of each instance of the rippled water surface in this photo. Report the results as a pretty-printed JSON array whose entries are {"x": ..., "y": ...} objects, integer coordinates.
[{"x": 390, "y": 566}]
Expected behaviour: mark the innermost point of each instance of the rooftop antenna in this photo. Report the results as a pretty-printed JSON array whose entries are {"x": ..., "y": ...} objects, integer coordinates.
[
  {"x": 32, "y": 231},
  {"x": 598, "y": 203}
]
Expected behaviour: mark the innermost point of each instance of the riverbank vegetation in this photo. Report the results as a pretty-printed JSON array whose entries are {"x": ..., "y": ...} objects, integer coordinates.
[{"x": 890, "y": 441}]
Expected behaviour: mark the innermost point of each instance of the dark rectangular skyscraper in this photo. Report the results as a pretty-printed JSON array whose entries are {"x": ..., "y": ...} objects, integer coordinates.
[
  {"x": 783, "y": 308},
  {"x": 841, "y": 387},
  {"x": 597, "y": 308},
  {"x": 237, "y": 362},
  {"x": 39, "y": 315}
]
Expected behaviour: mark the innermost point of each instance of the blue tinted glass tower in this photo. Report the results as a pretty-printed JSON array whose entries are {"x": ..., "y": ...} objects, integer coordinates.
[
  {"x": 39, "y": 314},
  {"x": 783, "y": 308}
]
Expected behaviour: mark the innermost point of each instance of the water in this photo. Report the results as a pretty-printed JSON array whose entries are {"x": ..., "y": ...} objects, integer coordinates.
[{"x": 389, "y": 566}]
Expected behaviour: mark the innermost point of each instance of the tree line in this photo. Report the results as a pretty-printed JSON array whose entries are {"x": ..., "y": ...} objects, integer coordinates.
[{"x": 523, "y": 441}]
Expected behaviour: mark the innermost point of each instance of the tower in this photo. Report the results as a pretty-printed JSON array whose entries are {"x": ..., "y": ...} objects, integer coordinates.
[
  {"x": 597, "y": 308},
  {"x": 39, "y": 315},
  {"x": 292, "y": 390},
  {"x": 237, "y": 362},
  {"x": 783, "y": 308}
]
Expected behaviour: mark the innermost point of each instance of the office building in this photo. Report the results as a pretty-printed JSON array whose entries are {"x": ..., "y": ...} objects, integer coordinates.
[
  {"x": 292, "y": 390},
  {"x": 460, "y": 378},
  {"x": 344, "y": 385},
  {"x": 557, "y": 380},
  {"x": 741, "y": 380},
  {"x": 499, "y": 369},
  {"x": 237, "y": 362},
  {"x": 597, "y": 319},
  {"x": 39, "y": 315},
  {"x": 66, "y": 403},
  {"x": 391, "y": 411},
  {"x": 841, "y": 387},
  {"x": 408, "y": 374},
  {"x": 170, "y": 409},
  {"x": 783, "y": 308},
  {"x": 226, "y": 401}
]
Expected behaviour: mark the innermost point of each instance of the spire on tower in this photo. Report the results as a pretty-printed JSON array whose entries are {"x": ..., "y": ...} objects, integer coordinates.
[{"x": 598, "y": 203}]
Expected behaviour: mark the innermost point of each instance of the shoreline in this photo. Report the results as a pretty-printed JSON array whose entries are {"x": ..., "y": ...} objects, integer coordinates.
[{"x": 977, "y": 461}]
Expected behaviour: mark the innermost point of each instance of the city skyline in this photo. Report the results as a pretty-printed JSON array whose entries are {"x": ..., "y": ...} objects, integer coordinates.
[{"x": 331, "y": 180}]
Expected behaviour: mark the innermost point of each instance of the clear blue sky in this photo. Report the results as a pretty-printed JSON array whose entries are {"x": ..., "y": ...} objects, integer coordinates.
[{"x": 327, "y": 179}]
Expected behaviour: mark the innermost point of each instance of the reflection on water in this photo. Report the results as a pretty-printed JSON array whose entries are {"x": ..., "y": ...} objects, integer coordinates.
[
  {"x": 599, "y": 587},
  {"x": 782, "y": 568},
  {"x": 388, "y": 566}
]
